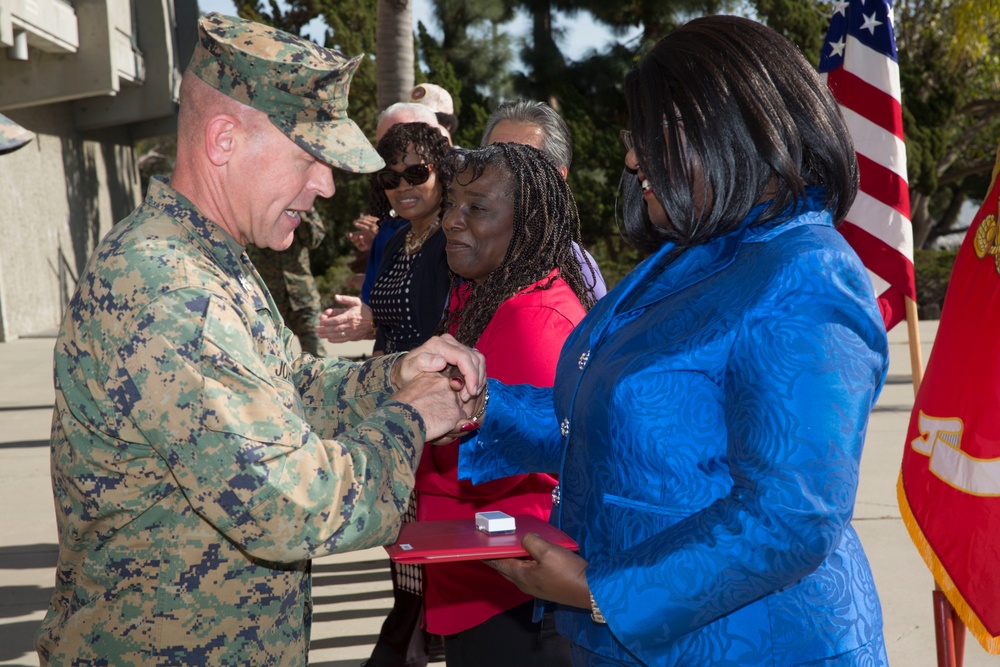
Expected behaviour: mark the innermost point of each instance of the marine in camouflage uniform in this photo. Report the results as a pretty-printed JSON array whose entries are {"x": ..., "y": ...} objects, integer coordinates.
[
  {"x": 289, "y": 278},
  {"x": 197, "y": 466}
]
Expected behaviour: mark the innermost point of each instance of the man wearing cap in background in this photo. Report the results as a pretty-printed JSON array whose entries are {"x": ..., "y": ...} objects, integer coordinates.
[
  {"x": 351, "y": 320},
  {"x": 197, "y": 466},
  {"x": 439, "y": 101},
  {"x": 12, "y": 135}
]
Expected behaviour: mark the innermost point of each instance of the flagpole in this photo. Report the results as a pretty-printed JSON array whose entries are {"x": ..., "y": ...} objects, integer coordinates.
[
  {"x": 913, "y": 335},
  {"x": 949, "y": 632}
]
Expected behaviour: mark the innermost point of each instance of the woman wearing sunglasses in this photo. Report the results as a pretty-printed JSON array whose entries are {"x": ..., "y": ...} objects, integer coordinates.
[
  {"x": 408, "y": 300},
  {"x": 407, "y": 296}
]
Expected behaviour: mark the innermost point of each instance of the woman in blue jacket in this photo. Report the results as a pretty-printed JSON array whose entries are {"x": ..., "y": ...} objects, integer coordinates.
[{"x": 708, "y": 415}]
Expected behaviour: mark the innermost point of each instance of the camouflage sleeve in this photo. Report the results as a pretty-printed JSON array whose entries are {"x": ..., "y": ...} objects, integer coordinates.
[
  {"x": 231, "y": 427},
  {"x": 337, "y": 394}
]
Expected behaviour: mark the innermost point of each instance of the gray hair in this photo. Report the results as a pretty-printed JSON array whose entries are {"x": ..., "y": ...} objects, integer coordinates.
[{"x": 557, "y": 145}]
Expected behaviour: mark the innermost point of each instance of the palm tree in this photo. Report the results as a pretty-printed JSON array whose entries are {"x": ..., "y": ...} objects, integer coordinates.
[{"x": 394, "y": 51}]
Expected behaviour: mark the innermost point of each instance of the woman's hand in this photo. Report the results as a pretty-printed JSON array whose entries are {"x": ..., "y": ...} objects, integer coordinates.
[
  {"x": 556, "y": 573},
  {"x": 440, "y": 362},
  {"x": 367, "y": 227},
  {"x": 353, "y": 322}
]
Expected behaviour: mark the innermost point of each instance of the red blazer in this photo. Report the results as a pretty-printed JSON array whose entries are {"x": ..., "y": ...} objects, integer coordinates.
[{"x": 521, "y": 345}]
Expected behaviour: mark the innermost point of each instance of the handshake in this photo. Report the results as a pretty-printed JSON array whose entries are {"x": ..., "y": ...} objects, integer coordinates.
[{"x": 445, "y": 382}]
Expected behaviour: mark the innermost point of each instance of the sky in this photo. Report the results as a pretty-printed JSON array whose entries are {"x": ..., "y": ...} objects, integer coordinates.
[{"x": 582, "y": 32}]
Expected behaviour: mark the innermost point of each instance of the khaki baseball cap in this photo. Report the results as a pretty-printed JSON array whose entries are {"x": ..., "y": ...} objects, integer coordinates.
[
  {"x": 12, "y": 135},
  {"x": 433, "y": 96},
  {"x": 301, "y": 87}
]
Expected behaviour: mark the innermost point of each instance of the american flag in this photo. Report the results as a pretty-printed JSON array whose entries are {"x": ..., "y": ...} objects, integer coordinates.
[{"x": 859, "y": 65}]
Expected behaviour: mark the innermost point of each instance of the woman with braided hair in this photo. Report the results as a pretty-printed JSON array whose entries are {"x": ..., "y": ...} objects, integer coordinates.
[
  {"x": 517, "y": 292},
  {"x": 534, "y": 246}
]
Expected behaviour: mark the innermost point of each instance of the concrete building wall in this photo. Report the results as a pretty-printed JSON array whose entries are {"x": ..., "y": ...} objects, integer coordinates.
[
  {"x": 89, "y": 78},
  {"x": 65, "y": 190}
]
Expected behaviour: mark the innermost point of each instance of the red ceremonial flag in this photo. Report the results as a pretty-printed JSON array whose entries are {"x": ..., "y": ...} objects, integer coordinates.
[
  {"x": 949, "y": 485},
  {"x": 859, "y": 65}
]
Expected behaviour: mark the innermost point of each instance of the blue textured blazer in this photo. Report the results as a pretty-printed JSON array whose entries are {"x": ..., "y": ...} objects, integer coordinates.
[{"x": 707, "y": 422}]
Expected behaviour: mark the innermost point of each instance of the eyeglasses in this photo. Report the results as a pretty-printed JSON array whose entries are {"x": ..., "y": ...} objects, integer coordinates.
[
  {"x": 626, "y": 135},
  {"x": 416, "y": 174}
]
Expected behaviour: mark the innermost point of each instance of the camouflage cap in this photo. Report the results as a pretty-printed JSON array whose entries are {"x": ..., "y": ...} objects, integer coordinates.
[
  {"x": 12, "y": 135},
  {"x": 301, "y": 87}
]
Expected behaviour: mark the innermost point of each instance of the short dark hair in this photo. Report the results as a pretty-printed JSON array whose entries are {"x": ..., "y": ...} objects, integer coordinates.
[
  {"x": 756, "y": 120},
  {"x": 546, "y": 223},
  {"x": 428, "y": 143},
  {"x": 557, "y": 143}
]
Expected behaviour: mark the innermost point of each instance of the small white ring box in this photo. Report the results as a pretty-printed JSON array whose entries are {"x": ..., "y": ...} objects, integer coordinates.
[{"x": 494, "y": 522}]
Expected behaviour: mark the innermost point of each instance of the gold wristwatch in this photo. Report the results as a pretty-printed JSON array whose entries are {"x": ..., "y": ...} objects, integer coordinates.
[{"x": 595, "y": 614}]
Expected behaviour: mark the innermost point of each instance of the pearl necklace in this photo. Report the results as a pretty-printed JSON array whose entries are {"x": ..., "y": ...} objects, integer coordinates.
[{"x": 412, "y": 245}]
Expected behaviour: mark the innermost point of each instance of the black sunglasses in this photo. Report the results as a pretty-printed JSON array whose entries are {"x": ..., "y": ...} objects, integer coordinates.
[{"x": 416, "y": 174}]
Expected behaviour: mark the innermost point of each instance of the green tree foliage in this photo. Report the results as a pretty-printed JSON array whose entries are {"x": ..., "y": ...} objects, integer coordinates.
[
  {"x": 932, "y": 272},
  {"x": 804, "y": 22},
  {"x": 655, "y": 17},
  {"x": 588, "y": 93},
  {"x": 472, "y": 43},
  {"x": 590, "y": 98},
  {"x": 949, "y": 67},
  {"x": 545, "y": 62}
]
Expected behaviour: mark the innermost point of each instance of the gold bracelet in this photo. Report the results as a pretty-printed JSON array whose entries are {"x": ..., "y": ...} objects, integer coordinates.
[
  {"x": 595, "y": 614},
  {"x": 482, "y": 410}
]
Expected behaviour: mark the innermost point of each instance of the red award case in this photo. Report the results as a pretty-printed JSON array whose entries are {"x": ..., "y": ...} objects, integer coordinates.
[{"x": 459, "y": 539}]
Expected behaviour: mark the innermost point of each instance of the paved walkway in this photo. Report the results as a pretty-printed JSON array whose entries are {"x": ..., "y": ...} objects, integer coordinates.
[{"x": 352, "y": 591}]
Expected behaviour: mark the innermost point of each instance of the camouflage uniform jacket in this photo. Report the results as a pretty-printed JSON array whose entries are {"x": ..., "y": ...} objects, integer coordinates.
[{"x": 194, "y": 464}]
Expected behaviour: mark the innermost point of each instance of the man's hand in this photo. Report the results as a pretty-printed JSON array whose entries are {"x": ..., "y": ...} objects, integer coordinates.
[
  {"x": 353, "y": 322},
  {"x": 435, "y": 356},
  {"x": 366, "y": 227},
  {"x": 555, "y": 573}
]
